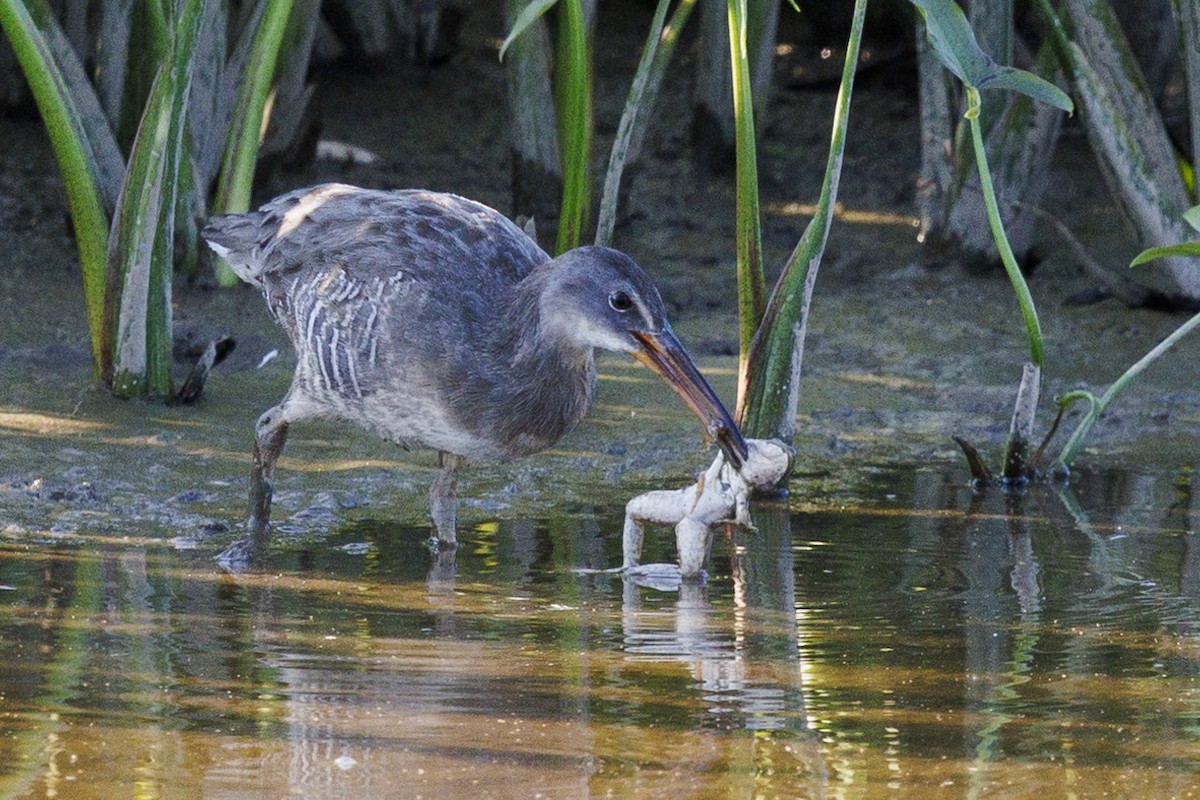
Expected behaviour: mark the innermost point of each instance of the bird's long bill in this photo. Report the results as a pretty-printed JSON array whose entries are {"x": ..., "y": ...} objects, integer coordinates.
[{"x": 663, "y": 353}]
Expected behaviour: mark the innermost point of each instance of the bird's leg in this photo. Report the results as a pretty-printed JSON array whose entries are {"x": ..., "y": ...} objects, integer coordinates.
[
  {"x": 442, "y": 504},
  {"x": 270, "y": 435}
]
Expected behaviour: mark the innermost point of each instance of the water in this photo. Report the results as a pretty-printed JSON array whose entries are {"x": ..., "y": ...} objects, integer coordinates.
[
  {"x": 886, "y": 634},
  {"x": 920, "y": 640}
]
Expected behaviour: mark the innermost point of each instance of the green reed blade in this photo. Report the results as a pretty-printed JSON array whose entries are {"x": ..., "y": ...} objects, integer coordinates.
[
  {"x": 573, "y": 101},
  {"x": 751, "y": 284},
  {"x": 656, "y": 54},
  {"x": 141, "y": 248},
  {"x": 83, "y": 143},
  {"x": 767, "y": 404},
  {"x": 1185, "y": 249},
  {"x": 245, "y": 132},
  {"x": 146, "y": 49},
  {"x": 529, "y": 15}
]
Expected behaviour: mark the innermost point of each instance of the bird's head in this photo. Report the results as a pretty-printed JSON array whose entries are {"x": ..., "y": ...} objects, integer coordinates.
[{"x": 598, "y": 297}]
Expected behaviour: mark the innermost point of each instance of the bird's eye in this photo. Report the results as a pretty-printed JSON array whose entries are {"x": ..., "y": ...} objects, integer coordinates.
[{"x": 620, "y": 301}]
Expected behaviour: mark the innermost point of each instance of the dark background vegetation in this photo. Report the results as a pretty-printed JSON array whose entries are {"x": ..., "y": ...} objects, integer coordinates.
[{"x": 897, "y": 320}]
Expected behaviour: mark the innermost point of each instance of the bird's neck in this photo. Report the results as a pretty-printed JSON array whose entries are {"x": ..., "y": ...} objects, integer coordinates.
[{"x": 550, "y": 379}]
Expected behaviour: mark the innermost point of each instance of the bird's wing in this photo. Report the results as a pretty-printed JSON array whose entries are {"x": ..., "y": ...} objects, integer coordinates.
[
  {"x": 371, "y": 232},
  {"x": 366, "y": 276}
]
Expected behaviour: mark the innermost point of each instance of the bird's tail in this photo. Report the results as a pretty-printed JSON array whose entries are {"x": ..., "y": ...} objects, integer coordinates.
[{"x": 236, "y": 238}]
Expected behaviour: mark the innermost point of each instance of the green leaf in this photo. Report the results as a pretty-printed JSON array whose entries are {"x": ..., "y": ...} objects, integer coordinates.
[
  {"x": 141, "y": 248},
  {"x": 1188, "y": 249},
  {"x": 767, "y": 404},
  {"x": 245, "y": 130},
  {"x": 83, "y": 143},
  {"x": 954, "y": 42},
  {"x": 530, "y": 15},
  {"x": 1033, "y": 328},
  {"x": 956, "y": 46},
  {"x": 656, "y": 53},
  {"x": 1192, "y": 217},
  {"x": 105, "y": 157},
  {"x": 573, "y": 108},
  {"x": 752, "y": 293},
  {"x": 1018, "y": 80}
]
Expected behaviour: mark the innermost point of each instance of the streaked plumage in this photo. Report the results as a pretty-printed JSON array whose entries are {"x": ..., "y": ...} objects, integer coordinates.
[{"x": 437, "y": 322}]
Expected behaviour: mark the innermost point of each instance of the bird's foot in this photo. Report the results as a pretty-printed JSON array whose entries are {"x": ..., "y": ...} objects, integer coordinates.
[
  {"x": 240, "y": 556},
  {"x": 248, "y": 551}
]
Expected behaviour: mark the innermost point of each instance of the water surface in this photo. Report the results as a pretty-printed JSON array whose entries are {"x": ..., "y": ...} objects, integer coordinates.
[{"x": 920, "y": 639}]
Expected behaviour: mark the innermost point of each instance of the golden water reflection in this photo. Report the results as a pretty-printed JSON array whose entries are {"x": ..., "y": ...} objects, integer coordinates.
[{"x": 933, "y": 643}]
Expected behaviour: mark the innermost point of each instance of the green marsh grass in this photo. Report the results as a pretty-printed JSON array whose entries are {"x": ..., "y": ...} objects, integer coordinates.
[
  {"x": 769, "y": 385},
  {"x": 245, "y": 132},
  {"x": 125, "y": 212},
  {"x": 656, "y": 54},
  {"x": 141, "y": 245},
  {"x": 573, "y": 97},
  {"x": 83, "y": 143},
  {"x": 750, "y": 282},
  {"x": 572, "y": 76}
]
